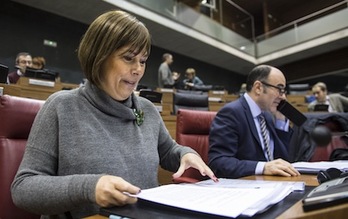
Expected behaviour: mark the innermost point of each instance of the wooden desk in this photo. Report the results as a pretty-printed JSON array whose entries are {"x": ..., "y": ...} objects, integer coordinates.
[
  {"x": 310, "y": 180},
  {"x": 23, "y": 88},
  {"x": 296, "y": 211}
]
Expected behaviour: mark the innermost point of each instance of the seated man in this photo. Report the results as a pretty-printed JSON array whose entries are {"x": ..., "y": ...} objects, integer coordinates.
[
  {"x": 249, "y": 136},
  {"x": 336, "y": 102},
  {"x": 23, "y": 60}
]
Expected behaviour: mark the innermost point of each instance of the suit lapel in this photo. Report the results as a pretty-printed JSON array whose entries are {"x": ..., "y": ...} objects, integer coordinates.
[{"x": 250, "y": 119}]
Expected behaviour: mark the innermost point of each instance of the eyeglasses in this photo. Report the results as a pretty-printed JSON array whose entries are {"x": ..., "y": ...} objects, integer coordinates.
[{"x": 281, "y": 90}]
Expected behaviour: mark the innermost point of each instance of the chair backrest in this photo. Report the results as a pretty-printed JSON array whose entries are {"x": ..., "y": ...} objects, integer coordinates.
[
  {"x": 16, "y": 115},
  {"x": 190, "y": 101},
  {"x": 189, "y": 91},
  {"x": 192, "y": 129},
  {"x": 303, "y": 146},
  {"x": 153, "y": 96}
]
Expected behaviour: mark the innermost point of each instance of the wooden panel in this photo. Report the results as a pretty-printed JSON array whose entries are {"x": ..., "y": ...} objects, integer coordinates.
[
  {"x": 231, "y": 97},
  {"x": 170, "y": 122},
  {"x": 164, "y": 177},
  {"x": 24, "y": 89},
  {"x": 215, "y": 106},
  {"x": 13, "y": 90},
  {"x": 298, "y": 101}
]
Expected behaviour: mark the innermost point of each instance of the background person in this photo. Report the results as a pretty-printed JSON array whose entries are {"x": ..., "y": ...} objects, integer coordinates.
[
  {"x": 237, "y": 145},
  {"x": 191, "y": 79},
  {"x": 23, "y": 60},
  {"x": 336, "y": 102},
  {"x": 39, "y": 62},
  {"x": 90, "y": 146},
  {"x": 166, "y": 78}
]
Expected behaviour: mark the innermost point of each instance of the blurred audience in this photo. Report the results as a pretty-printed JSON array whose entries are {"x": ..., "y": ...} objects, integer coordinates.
[
  {"x": 345, "y": 91},
  {"x": 39, "y": 62},
  {"x": 191, "y": 79},
  {"x": 242, "y": 89},
  {"x": 336, "y": 102},
  {"x": 167, "y": 78},
  {"x": 23, "y": 60}
]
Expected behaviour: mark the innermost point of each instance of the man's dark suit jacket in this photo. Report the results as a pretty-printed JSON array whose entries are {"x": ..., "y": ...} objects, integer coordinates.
[{"x": 235, "y": 147}]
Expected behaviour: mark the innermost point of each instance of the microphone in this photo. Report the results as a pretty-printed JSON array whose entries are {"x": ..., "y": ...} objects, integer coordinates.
[{"x": 291, "y": 113}]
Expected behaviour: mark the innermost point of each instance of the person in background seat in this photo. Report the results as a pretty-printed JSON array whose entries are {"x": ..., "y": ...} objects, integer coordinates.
[
  {"x": 336, "y": 102},
  {"x": 39, "y": 62},
  {"x": 191, "y": 79},
  {"x": 23, "y": 60}
]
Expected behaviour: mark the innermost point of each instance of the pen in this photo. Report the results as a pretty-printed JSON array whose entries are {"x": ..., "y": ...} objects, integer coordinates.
[
  {"x": 113, "y": 216},
  {"x": 129, "y": 194}
]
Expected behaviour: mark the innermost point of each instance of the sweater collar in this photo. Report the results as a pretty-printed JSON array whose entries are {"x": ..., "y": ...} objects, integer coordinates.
[{"x": 102, "y": 101}]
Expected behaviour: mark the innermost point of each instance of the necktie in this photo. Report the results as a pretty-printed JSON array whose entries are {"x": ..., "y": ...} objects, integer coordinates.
[{"x": 265, "y": 135}]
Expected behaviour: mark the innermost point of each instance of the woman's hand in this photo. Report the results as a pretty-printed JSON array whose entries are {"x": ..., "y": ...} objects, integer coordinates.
[
  {"x": 113, "y": 190},
  {"x": 195, "y": 161}
]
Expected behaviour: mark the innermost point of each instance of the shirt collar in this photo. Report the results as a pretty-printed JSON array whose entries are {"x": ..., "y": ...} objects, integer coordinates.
[{"x": 254, "y": 108}]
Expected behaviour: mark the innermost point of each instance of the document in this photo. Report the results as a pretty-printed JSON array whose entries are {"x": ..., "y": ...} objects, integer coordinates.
[
  {"x": 315, "y": 167},
  {"x": 228, "y": 197}
]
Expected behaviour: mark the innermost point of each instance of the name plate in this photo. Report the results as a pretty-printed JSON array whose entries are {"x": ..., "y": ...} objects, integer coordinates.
[{"x": 41, "y": 82}]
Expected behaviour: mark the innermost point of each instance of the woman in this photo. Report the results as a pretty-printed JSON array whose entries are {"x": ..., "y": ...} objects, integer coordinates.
[{"x": 90, "y": 147}]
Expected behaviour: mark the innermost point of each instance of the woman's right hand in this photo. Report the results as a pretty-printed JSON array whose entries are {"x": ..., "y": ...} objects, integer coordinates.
[{"x": 114, "y": 191}]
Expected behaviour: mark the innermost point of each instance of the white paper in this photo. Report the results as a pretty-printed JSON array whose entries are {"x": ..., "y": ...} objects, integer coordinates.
[
  {"x": 315, "y": 167},
  {"x": 228, "y": 197},
  {"x": 241, "y": 183}
]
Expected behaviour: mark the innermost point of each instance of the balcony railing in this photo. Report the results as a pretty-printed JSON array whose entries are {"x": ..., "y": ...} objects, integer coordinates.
[{"x": 240, "y": 33}]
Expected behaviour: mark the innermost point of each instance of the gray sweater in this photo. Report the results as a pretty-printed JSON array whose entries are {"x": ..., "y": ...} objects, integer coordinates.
[{"x": 82, "y": 134}]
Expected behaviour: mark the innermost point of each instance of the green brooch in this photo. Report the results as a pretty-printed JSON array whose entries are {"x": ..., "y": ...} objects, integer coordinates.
[{"x": 139, "y": 116}]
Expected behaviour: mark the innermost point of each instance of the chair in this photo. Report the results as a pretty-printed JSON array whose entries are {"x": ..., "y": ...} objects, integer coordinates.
[
  {"x": 153, "y": 96},
  {"x": 304, "y": 148},
  {"x": 192, "y": 129},
  {"x": 190, "y": 101},
  {"x": 189, "y": 91},
  {"x": 16, "y": 115},
  {"x": 298, "y": 88}
]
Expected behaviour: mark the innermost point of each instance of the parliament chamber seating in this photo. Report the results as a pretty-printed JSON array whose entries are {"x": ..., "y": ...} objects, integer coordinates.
[
  {"x": 190, "y": 101},
  {"x": 192, "y": 130},
  {"x": 16, "y": 115}
]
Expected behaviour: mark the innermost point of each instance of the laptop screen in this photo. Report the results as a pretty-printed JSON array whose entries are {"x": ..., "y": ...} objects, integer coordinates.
[
  {"x": 321, "y": 108},
  {"x": 3, "y": 74}
]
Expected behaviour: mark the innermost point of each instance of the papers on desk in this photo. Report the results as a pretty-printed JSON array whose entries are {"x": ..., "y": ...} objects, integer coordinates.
[
  {"x": 315, "y": 167},
  {"x": 228, "y": 197}
]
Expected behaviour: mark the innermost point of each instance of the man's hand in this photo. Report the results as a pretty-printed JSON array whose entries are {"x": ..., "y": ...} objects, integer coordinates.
[{"x": 280, "y": 167}]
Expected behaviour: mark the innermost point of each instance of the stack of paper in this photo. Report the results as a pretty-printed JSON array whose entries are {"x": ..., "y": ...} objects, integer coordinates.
[
  {"x": 315, "y": 167},
  {"x": 228, "y": 197}
]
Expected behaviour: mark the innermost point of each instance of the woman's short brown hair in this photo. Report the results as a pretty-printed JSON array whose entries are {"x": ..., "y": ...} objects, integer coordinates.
[{"x": 108, "y": 33}]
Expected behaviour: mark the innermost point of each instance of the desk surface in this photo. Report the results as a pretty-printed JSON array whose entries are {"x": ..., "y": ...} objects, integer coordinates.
[{"x": 295, "y": 211}]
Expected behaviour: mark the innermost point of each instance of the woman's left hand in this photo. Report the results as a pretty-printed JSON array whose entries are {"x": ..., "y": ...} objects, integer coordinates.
[{"x": 195, "y": 161}]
